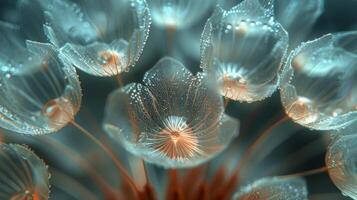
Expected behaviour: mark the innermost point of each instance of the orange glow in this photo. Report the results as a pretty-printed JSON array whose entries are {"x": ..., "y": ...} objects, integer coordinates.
[{"x": 59, "y": 112}]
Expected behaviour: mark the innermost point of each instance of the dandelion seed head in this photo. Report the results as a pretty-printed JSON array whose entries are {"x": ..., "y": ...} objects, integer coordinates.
[
  {"x": 250, "y": 45},
  {"x": 341, "y": 162},
  {"x": 40, "y": 95},
  {"x": 174, "y": 120},
  {"x": 318, "y": 82},
  {"x": 94, "y": 43},
  {"x": 24, "y": 175}
]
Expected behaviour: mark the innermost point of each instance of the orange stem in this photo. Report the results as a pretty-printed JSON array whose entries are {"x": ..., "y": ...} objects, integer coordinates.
[{"x": 110, "y": 153}]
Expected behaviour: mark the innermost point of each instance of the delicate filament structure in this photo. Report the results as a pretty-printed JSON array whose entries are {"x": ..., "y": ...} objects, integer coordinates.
[
  {"x": 26, "y": 195},
  {"x": 233, "y": 85},
  {"x": 176, "y": 140},
  {"x": 234, "y": 88},
  {"x": 59, "y": 111},
  {"x": 111, "y": 61},
  {"x": 302, "y": 111}
]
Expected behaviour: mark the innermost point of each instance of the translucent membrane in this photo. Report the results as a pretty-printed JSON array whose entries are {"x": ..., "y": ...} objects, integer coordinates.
[
  {"x": 319, "y": 82},
  {"x": 101, "y": 38},
  {"x": 341, "y": 160},
  {"x": 39, "y": 92},
  {"x": 244, "y": 48},
  {"x": 175, "y": 119},
  {"x": 298, "y": 17},
  {"x": 23, "y": 176},
  {"x": 179, "y": 14},
  {"x": 274, "y": 189}
]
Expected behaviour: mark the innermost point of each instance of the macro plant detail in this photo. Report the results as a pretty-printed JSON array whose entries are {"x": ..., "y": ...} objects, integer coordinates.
[
  {"x": 321, "y": 75},
  {"x": 175, "y": 119},
  {"x": 278, "y": 188},
  {"x": 341, "y": 160},
  {"x": 178, "y": 99},
  {"x": 23, "y": 175},
  {"x": 244, "y": 47},
  {"x": 103, "y": 40},
  {"x": 39, "y": 91}
]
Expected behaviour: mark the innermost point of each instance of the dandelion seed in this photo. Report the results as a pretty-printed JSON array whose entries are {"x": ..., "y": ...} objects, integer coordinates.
[
  {"x": 39, "y": 92},
  {"x": 23, "y": 175},
  {"x": 341, "y": 160},
  {"x": 174, "y": 120},
  {"x": 318, "y": 85},
  {"x": 105, "y": 40},
  {"x": 244, "y": 47},
  {"x": 274, "y": 189}
]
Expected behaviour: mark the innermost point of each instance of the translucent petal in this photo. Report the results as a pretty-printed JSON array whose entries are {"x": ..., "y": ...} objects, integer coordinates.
[
  {"x": 174, "y": 120},
  {"x": 348, "y": 130},
  {"x": 341, "y": 160},
  {"x": 319, "y": 82},
  {"x": 39, "y": 92},
  {"x": 244, "y": 48},
  {"x": 298, "y": 17},
  {"x": 179, "y": 14},
  {"x": 105, "y": 39},
  {"x": 22, "y": 174},
  {"x": 274, "y": 189}
]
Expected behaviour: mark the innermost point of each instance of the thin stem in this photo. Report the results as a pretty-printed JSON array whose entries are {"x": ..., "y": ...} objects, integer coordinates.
[
  {"x": 307, "y": 172},
  {"x": 2, "y": 139},
  {"x": 170, "y": 30},
  {"x": 247, "y": 154},
  {"x": 81, "y": 162},
  {"x": 308, "y": 151},
  {"x": 225, "y": 103},
  {"x": 145, "y": 171},
  {"x": 119, "y": 80},
  {"x": 117, "y": 163}
]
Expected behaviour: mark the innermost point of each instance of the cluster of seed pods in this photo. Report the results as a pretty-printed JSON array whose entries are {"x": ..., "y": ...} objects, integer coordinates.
[{"x": 175, "y": 119}]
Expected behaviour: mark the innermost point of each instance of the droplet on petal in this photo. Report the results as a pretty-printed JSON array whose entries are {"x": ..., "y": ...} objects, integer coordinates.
[
  {"x": 341, "y": 161},
  {"x": 318, "y": 87},
  {"x": 179, "y": 14},
  {"x": 104, "y": 40},
  {"x": 23, "y": 176},
  {"x": 174, "y": 120},
  {"x": 244, "y": 48},
  {"x": 274, "y": 189},
  {"x": 39, "y": 91}
]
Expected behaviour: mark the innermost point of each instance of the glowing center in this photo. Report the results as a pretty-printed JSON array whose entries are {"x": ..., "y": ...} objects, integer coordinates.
[
  {"x": 302, "y": 110},
  {"x": 177, "y": 140},
  {"x": 111, "y": 61},
  {"x": 25, "y": 195},
  {"x": 234, "y": 88},
  {"x": 59, "y": 111}
]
